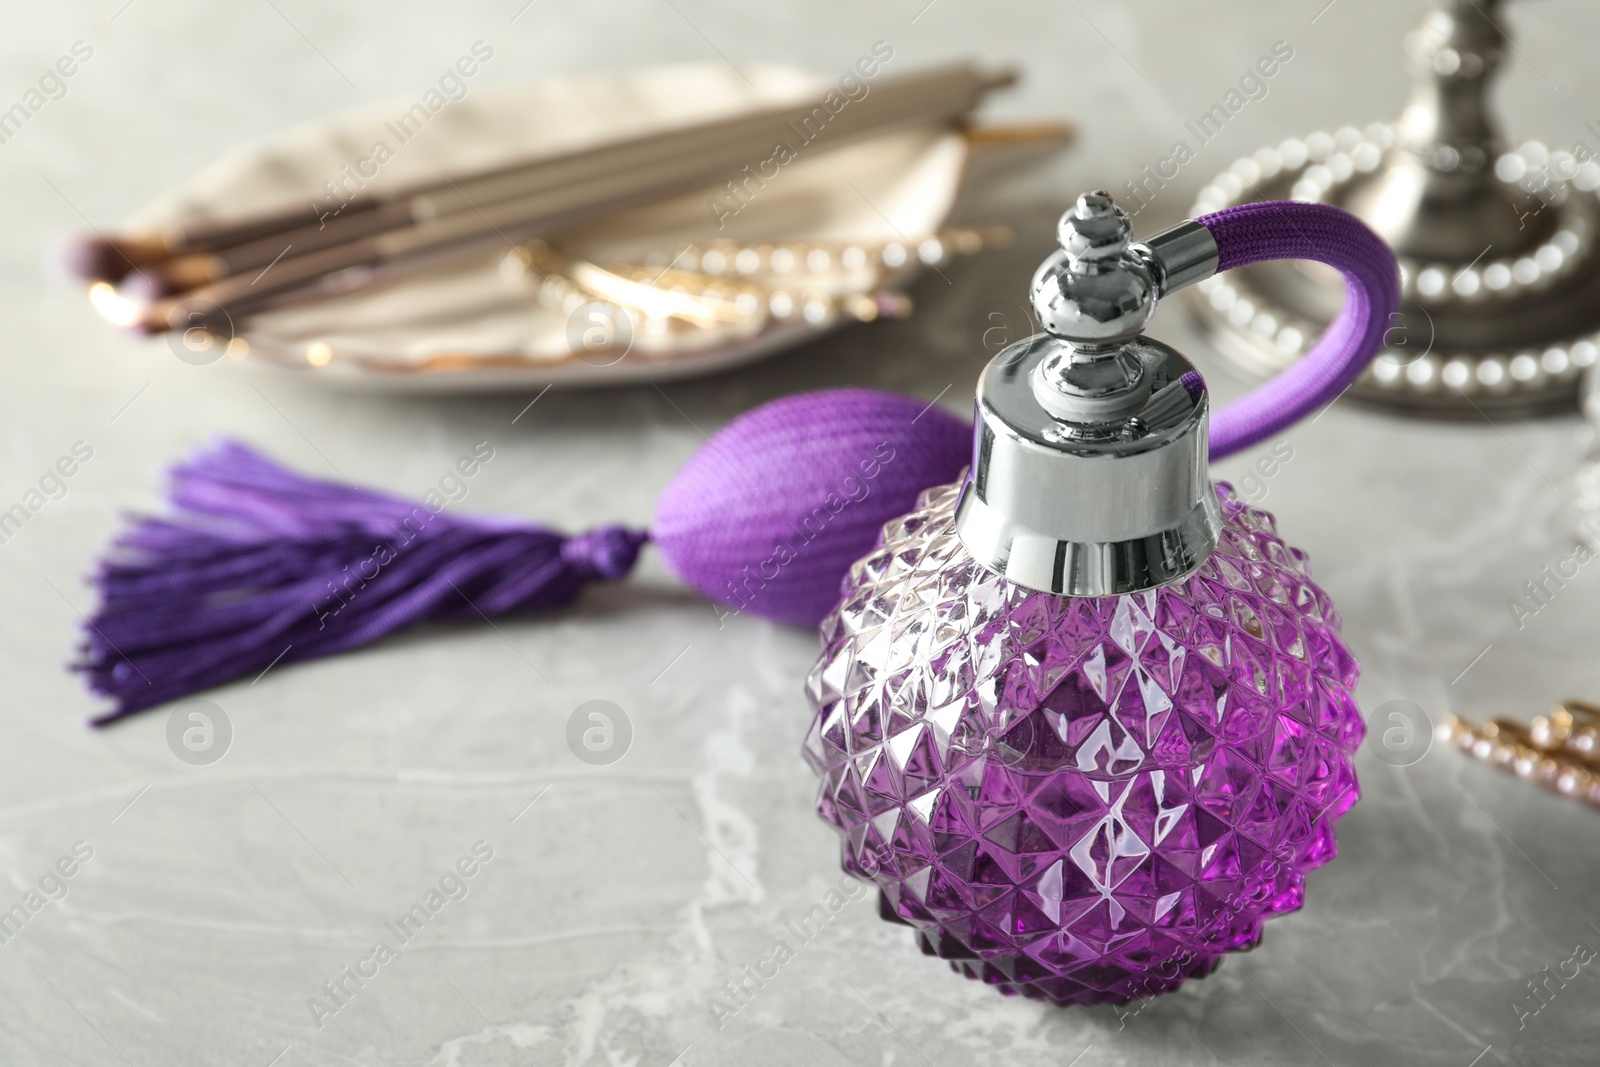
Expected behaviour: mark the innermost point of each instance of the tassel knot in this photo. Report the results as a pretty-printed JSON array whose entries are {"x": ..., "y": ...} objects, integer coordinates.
[{"x": 606, "y": 552}]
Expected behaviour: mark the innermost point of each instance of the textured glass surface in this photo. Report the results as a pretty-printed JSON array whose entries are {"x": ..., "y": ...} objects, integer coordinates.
[{"x": 1083, "y": 800}]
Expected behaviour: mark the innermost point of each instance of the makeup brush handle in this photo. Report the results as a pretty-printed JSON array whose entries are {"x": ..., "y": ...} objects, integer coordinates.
[
  {"x": 945, "y": 88},
  {"x": 212, "y": 236},
  {"x": 255, "y": 242},
  {"x": 357, "y": 263}
]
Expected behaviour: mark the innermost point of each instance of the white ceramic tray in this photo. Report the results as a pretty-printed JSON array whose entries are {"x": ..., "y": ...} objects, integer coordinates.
[{"x": 465, "y": 324}]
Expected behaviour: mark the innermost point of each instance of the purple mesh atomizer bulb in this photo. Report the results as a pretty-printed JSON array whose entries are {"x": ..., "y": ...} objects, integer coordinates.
[{"x": 1084, "y": 718}]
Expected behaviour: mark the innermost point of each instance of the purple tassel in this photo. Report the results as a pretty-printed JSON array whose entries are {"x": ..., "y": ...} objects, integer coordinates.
[{"x": 261, "y": 566}]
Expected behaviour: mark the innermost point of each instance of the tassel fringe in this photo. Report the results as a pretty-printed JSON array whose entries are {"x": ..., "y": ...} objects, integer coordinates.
[{"x": 258, "y": 566}]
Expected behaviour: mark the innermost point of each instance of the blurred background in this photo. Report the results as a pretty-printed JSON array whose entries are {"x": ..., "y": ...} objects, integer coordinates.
[{"x": 221, "y": 898}]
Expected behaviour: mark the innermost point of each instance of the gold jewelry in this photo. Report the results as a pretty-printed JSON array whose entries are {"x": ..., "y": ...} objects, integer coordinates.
[
  {"x": 1573, "y": 726},
  {"x": 1539, "y": 753},
  {"x": 697, "y": 299}
]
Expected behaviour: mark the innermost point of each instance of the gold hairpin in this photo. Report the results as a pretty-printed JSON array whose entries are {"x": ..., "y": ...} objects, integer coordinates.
[
  {"x": 1573, "y": 727},
  {"x": 702, "y": 301},
  {"x": 1557, "y": 751}
]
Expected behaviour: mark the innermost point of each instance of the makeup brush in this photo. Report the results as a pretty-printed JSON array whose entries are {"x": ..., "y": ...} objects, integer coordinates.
[
  {"x": 99, "y": 257},
  {"x": 174, "y": 260},
  {"x": 937, "y": 96},
  {"x": 188, "y": 271}
]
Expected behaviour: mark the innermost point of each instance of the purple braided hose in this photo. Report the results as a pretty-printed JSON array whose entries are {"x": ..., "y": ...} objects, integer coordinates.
[{"x": 1253, "y": 233}]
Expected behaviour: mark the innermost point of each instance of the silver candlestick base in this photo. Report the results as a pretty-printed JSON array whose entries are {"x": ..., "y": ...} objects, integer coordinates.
[{"x": 1499, "y": 258}]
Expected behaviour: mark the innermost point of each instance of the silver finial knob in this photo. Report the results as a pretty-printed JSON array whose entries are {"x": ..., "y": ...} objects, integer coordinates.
[{"x": 1095, "y": 290}]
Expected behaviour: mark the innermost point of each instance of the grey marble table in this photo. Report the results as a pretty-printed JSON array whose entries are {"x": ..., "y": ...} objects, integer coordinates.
[{"x": 207, "y": 905}]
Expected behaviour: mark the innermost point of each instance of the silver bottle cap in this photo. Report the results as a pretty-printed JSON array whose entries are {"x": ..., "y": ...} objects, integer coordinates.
[{"x": 1089, "y": 471}]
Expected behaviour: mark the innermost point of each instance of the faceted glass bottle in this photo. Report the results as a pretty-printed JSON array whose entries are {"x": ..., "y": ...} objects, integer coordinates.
[{"x": 1083, "y": 799}]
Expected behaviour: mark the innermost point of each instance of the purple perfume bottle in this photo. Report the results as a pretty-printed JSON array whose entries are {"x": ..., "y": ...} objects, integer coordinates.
[{"x": 1084, "y": 718}]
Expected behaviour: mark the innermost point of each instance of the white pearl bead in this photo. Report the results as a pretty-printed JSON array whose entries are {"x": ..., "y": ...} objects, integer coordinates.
[
  {"x": 1510, "y": 167},
  {"x": 1421, "y": 372},
  {"x": 1305, "y": 191},
  {"x": 1457, "y": 375},
  {"x": 1431, "y": 282}
]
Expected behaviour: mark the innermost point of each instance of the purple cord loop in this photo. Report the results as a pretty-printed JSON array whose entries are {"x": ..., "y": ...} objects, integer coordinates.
[
  {"x": 605, "y": 552},
  {"x": 1253, "y": 233}
]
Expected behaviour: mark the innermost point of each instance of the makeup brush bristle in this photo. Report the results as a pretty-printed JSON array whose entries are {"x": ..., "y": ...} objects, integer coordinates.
[
  {"x": 94, "y": 257},
  {"x": 91, "y": 257}
]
